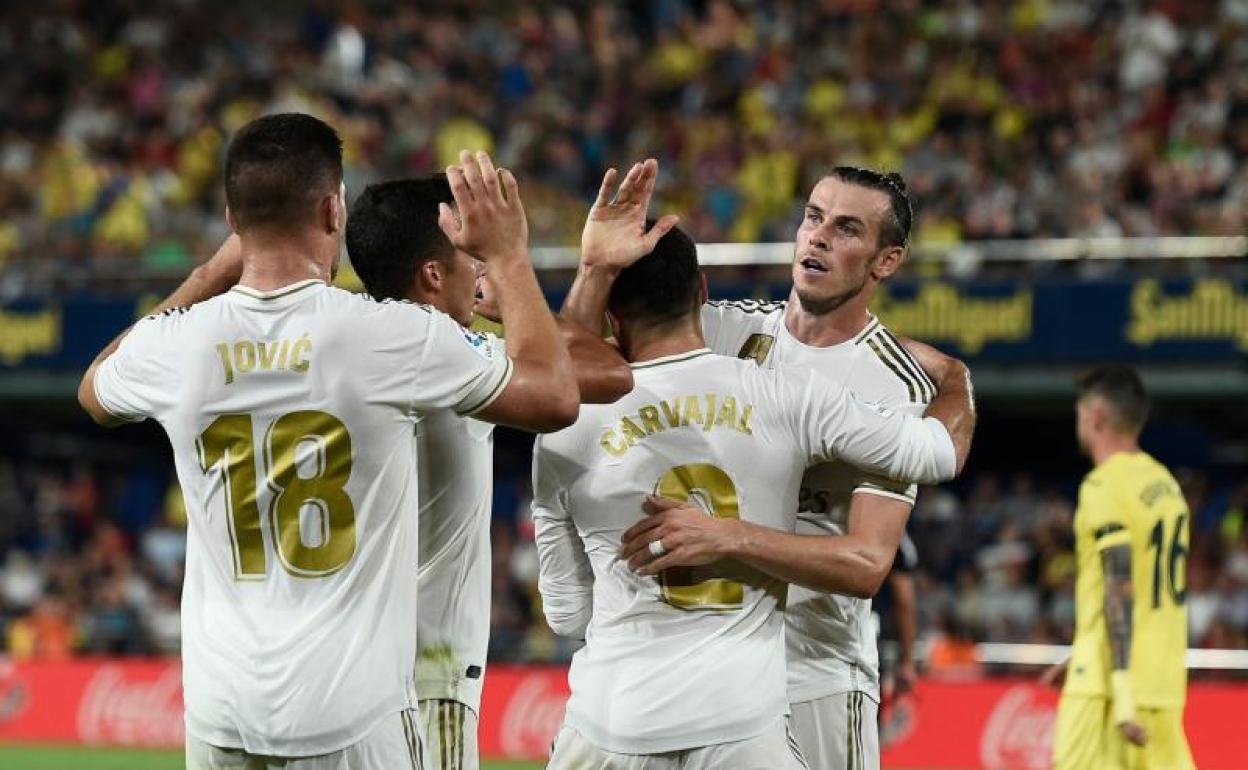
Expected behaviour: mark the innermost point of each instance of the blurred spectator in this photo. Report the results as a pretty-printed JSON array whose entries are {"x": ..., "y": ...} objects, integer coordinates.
[{"x": 1011, "y": 120}]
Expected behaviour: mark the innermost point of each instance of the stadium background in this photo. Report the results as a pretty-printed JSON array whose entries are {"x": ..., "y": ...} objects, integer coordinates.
[{"x": 1082, "y": 196}]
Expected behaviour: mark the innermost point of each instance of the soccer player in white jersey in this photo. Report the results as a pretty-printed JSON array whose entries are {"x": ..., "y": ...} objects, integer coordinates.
[
  {"x": 290, "y": 406},
  {"x": 686, "y": 668},
  {"x": 400, "y": 252},
  {"x": 852, "y": 237}
]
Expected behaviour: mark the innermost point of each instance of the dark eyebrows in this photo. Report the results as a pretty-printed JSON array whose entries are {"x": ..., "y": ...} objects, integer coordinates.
[{"x": 848, "y": 219}]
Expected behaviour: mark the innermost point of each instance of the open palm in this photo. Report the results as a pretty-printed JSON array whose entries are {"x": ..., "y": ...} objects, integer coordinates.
[{"x": 615, "y": 234}]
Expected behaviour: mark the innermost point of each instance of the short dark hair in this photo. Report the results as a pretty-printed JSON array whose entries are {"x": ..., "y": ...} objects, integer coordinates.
[
  {"x": 661, "y": 287},
  {"x": 1121, "y": 387},
  {"x": 278, "y": 167},
  {"x": 393, "y": 230},
  {"x": 895, "y": 228}
]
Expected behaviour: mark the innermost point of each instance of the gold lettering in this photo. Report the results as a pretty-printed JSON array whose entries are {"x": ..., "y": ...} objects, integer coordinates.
[
  {"x": 298, "y": 354},
  {"x": 940, "y": 312},
  {"x": 612, "y": 444},
  {"x": 727, "y": 412},
  {"x": 223, "y": 350},
  {"x": 744, "y": 425},
  {"x": 27, "y": 334},
  {"x": 693, "y": 411},
  {"x": 650, "y": 420},
  {"x": 284, "y": 356},
  {"x": 671, "y": 411},
  {"x": 1213, "y": 310},
  {"x": 632, "y": 432},
  {"x": 268, "y": 353},
  {"x": 244, "y": 356},
  {"x": 710, "y": 412}
]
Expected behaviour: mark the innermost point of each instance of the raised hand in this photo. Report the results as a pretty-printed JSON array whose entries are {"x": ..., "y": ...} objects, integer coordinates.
[
  {"x": 490, "y": 225},
  {"x": 615, "y": 234}
]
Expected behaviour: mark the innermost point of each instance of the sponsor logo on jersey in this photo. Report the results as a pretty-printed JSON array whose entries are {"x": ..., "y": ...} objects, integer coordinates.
[{"x": 479, "y": 342}]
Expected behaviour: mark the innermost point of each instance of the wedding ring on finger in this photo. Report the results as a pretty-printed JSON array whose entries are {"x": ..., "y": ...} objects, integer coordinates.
[{"x": 656, "y": 549}]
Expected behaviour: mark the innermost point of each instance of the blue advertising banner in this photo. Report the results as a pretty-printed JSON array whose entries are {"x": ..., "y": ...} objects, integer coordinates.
[{"x": 1045, "y": 323}]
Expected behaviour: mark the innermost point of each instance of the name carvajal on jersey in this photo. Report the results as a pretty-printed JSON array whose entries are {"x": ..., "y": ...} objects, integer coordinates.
[{"x": 703, "y": 411}]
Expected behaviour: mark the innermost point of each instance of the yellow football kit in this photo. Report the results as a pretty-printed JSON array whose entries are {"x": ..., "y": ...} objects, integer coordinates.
[{"x": 1130, "y": 499}]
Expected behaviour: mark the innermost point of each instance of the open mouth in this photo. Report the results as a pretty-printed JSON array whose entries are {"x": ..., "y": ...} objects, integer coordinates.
[{"x": 812, "y": 265}]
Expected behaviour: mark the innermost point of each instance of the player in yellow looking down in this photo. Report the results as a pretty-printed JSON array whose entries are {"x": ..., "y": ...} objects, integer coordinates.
[{"x": 1126, "y": 681}]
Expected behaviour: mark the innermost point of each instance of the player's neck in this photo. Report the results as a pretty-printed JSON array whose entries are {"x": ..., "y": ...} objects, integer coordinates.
[
  {"x": 828, "y": 329},
  {"x": 649, "y": 345},
  {"x": 1110, "y": 445},
  {"x": 271, "y": 262}
]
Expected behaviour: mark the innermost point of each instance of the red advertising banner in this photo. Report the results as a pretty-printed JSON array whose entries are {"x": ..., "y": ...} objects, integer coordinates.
[{"x": 993, "y": 724}]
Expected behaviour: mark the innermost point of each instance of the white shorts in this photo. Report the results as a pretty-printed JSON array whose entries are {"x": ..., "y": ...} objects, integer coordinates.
[
  {"x": 773, "y": 750},
  {"x": 839, "y": 732},
  {"x": 393, "y": 744},
  {"x": 450, "y": 735}
]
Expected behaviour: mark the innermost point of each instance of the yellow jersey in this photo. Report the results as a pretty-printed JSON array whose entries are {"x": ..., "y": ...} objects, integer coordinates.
[{"x": 1131, "y": 499}]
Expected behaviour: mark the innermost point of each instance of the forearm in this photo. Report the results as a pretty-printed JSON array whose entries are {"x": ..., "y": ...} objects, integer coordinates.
[
  {"x": 848, "y": 564},
  {"x": 1119, "y": 603},
  {"x": 602, "y": 374},
  {"x": 532, "y": 335},
  {"x": 586, "y": 303}
]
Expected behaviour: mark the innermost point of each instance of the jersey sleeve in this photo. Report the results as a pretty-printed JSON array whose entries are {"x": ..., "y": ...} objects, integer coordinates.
[
  {"x": 830, "y": 424},
  {"x": 1105, "y": 516},
  {"x": 712, "y": 324},
  {"x": 457, "y": 368},
  {"x": 565, "y": 578},
  {"x": 136, "y": 382}
]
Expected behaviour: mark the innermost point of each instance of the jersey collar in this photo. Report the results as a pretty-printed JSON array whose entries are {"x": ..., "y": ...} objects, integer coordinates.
[
  {"x": 688, "y": 355},
  {"x": 278, "y": 293}
]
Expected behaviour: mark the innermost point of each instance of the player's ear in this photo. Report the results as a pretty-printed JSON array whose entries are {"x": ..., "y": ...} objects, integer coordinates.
[
  {"x": 888, "y": 261},
  {"x": 229, "y": 219},
  {"x": 430, "y": 275},
  {"x": 333, "y": 215},
  {"x": 703, "y": 293}
]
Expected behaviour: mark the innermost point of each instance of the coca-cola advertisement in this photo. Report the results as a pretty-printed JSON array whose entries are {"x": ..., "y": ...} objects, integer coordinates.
[{"x": 991, "y": 724}]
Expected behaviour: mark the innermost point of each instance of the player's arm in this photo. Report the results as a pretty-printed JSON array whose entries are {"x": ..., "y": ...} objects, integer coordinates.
[
  {"x": 615, "y": 236},
  {"x": 954, "y": 405},
  {"x": 541, "y": 394},
  {"x": 214, "y": 277},
  {"x": 565, "y": 579},
  {"x": 602, "y": 374},
  {"x": 854, "y": 564},
  {"x": 1119, "y": 603}
]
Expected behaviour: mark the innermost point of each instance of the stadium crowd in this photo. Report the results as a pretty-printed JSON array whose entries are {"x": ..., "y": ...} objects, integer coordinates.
[
  {"x": 1025, "y": 119},
  {"x": 92, "y": 563}
]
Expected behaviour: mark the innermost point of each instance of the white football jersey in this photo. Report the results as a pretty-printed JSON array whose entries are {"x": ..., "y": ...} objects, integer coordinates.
[
  {"x": 456, "y": 456},
  {"x": 694, "y": 657},
  {"x": 831, "y": 638},
  {"x": 291, "y": 414}
]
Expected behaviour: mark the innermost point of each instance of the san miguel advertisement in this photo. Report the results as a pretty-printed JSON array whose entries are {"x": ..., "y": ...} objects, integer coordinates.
[
  {"x": 990, "y": 724},
  {"x": 1046, "y": 322}
]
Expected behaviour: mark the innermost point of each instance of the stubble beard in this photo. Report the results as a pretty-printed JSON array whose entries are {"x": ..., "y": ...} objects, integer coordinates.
[{"x": 820, "y": 306}]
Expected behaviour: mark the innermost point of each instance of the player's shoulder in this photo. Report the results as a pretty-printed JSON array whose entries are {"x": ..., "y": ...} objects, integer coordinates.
[{"x": 888, "y": 370}]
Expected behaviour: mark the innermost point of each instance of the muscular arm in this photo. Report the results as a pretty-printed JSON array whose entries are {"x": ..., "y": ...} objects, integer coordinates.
[
  {"x": 216, "y": 276},
  {"x": 602, "y": 374},
  {"x": 954, "y": 404}
]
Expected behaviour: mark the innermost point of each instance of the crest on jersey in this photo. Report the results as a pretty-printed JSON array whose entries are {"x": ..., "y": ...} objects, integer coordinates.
[
  {"x": 757, "y": 347},
  {"x": 479, "y": 342}
]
